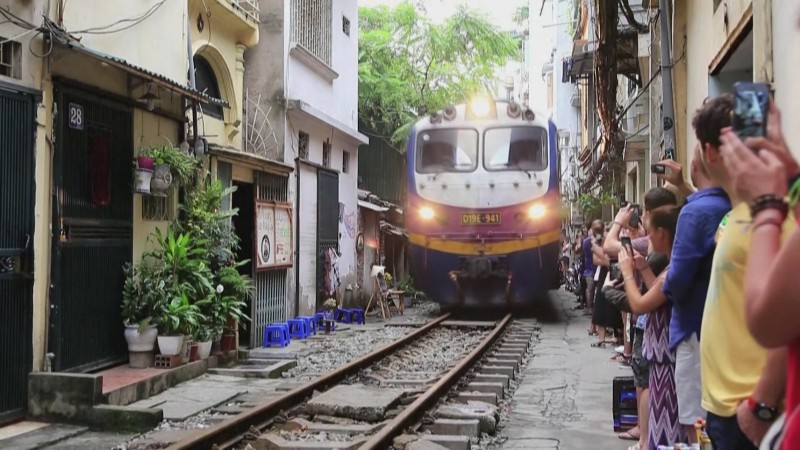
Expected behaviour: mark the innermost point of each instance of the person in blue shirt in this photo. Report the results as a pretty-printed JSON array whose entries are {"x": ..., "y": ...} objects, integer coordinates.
[
  {"x": 589, "y": 267},
  {"x": 686, "y": 284}
]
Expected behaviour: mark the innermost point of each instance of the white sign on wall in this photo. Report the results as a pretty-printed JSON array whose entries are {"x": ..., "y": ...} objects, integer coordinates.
[{"x": 274, "y": 243}]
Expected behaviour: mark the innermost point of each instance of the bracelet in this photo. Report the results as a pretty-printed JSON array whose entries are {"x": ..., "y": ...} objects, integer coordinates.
[
  {"x": 768, "y": 201},
  {"x": 768, "y": 221},
  {"x": 793, "y": 195}
]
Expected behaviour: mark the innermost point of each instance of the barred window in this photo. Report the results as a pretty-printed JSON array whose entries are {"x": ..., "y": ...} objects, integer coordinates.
[
  {"x": 326, "y": 153},
  {"x": 311, "y": 27},
  {"x": 160, "y": 209}
]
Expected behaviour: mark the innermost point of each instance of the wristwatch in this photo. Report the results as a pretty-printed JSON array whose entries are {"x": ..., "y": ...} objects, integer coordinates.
[{"x": 762, "y": 411}]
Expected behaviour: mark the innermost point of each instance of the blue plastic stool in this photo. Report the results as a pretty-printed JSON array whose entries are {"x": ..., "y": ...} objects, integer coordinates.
[
  {"x": 343, "y": 315},
  {"x": 297, "y": 328},
  {"x": 311, "y": 324},
  {"x": 276, "y": 335},
  {"x": 357, "y": 316}
]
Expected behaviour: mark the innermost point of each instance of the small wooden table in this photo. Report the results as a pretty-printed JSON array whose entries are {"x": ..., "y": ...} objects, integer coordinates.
[{"x": 397, "y": 298}]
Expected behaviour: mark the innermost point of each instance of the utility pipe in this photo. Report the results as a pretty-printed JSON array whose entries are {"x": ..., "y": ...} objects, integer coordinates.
[{"x": 665, "y": 10}]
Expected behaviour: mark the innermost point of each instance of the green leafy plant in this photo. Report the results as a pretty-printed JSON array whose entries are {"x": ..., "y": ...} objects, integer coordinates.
[
  {"x": 182, "y": 166},
  {"x": 410, "y": 65},
  {"x": 591, "y": 205},
  {"x": 205, "y": 218},
  {"x": 138, "y": 302},
  {"x": 330, "y": 304}
]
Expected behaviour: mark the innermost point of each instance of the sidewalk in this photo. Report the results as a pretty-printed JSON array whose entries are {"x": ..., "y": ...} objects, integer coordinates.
[{"x": 564, "y": 400}]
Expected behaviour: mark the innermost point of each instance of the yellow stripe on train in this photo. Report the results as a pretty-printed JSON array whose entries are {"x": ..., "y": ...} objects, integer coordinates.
[{"x": 488, "y": 248}]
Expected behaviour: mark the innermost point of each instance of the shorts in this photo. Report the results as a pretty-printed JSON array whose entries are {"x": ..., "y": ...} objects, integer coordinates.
[
  {"x": 687, "y": 381},
  {"x": 640, "y": 365}
]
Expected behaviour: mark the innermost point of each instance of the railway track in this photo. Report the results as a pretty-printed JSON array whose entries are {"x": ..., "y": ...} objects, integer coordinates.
[{"x": 388, "y": 396}]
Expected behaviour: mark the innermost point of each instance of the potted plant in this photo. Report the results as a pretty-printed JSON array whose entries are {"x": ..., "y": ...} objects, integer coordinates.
[
  {"x": 144, "y": 172},
  {"x": 137, "y": 310},
  {"x": 330, "y": 306},
  {"x": 170, "y": 163},
  {"x": 388, "y": 277},
  {"x": 204, "y": 336}
]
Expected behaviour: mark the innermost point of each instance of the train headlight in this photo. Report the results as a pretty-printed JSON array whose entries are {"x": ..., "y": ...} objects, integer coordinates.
[
  {"x": 426, "y": 213},
  {"x": 479, "y": 106},
  {"x": 537, "y": 211}
]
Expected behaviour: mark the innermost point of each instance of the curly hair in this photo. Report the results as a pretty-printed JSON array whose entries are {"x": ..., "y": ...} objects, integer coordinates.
[{"x": 709, "y": 120}]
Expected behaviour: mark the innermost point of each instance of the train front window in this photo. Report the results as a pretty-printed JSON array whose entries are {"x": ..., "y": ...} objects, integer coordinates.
[
  {"x": 447, "y": 150},
  {"x": 515, "y": 148}
]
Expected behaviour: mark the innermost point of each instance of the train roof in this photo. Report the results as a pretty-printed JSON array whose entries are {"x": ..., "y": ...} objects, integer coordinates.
[{"x": 504, "y": 113}]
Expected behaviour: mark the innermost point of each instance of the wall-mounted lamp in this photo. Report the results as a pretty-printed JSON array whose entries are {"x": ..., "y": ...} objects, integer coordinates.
[{"x": 149, "y": 99}]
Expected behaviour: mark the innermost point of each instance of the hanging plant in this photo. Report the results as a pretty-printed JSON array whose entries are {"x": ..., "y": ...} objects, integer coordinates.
[{"x": 591, "y": 205}]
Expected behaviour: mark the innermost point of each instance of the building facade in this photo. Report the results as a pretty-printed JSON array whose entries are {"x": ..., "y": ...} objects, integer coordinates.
[
  {"x": 301, "y": 99},
  {"x": 77, "y": 102}
]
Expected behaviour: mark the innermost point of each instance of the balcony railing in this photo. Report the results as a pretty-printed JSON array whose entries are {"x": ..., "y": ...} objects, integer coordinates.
[{"x": 249, "y": 7}]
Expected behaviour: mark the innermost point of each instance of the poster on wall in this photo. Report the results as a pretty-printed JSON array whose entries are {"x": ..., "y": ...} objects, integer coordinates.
[{"x": 273, "y": 235}]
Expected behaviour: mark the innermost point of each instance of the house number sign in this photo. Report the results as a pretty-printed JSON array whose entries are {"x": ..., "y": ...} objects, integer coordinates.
[{"x": 75, "y": 115}]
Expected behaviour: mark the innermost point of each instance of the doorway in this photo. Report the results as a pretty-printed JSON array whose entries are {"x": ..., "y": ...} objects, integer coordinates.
[
  {"x": 244, "y": 226},
  {"x": 92, "y": 230}
]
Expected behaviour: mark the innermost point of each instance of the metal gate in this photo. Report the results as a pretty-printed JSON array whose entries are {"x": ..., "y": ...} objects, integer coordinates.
[
  {"x": 92, "y": 229},
  {"x": 270, "y": 301},
  {"x": 17, "y": 194},
  {"x": 327, "y": 221}
]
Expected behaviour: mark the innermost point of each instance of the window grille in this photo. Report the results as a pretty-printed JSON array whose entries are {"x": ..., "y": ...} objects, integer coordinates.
[
  {"x": 311, "y": 27},
  {"x": 302, "y": 145},
  {"x": 249, "y": 7},
  {"x": 159, "y": 209}
]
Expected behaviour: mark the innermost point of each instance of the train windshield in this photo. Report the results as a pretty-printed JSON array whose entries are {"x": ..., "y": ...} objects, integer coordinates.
[
  {"x": 515, "y": 148},
  {"x": 447, "y": 150}
]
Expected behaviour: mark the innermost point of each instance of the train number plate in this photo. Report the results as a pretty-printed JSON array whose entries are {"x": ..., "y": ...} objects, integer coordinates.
[{"x": 481, "y": 219}]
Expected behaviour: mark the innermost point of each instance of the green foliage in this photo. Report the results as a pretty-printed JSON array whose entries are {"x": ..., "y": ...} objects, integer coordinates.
[
  {"x": 591, "y": 205},
  {"x": 204, "y": 218},
  {"x": 410, "y": 66},
  {"x": 182, "y": 166}
]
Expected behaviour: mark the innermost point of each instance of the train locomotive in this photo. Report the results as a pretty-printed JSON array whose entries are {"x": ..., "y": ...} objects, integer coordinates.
[{"x": 483, "y": 204}]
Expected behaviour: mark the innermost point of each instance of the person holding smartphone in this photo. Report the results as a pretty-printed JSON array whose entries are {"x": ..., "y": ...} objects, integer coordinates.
[{"x": 763, "y": 171}]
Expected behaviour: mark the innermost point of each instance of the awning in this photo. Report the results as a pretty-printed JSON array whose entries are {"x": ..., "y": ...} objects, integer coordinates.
[
  {"x": 388, "y": 228},
  {"x": 299, "y": 106},
  {"x": 252, "y": 160},
  {"x": 63, "y": 40},
  {"x": 372, "y": 206}
]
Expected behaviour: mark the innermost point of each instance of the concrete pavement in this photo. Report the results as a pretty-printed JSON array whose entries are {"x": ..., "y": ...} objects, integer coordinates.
[{"x": 564, "y": 399}]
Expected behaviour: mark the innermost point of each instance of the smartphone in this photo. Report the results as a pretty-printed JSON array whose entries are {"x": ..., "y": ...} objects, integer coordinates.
[
  {"x": 658, "y": 168},
  {"x": 636, "y": 214},
  {"x": 750, "y": 110},
  {"x": 623, "y": 203},
  {"x": 626, "y": 242}
]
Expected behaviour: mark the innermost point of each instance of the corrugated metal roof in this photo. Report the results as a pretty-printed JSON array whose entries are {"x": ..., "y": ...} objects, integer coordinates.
[{"x": 65, "y": 41}]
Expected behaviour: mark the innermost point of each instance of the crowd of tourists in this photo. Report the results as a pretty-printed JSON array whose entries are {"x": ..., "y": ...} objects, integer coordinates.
[{"x": 693, "y": 289}]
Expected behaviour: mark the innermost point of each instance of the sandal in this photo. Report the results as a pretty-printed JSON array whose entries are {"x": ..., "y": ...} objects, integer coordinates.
[
  {"x": 620, "y": 358},
  {"x": 628, "y": 436},
  {"x": 598, "y": 344}
]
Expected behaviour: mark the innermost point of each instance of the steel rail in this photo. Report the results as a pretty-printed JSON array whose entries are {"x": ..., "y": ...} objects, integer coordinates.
[
  {"x": 228, "y": 433},
  {"x": 414, "y": 411}
]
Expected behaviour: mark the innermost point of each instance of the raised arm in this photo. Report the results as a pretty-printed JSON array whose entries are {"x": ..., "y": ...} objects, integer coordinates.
[{"x": 612, "y": 245}]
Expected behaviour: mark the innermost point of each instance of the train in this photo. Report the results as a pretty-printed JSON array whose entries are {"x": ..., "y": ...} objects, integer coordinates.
[{"x": 483, "y": 204}]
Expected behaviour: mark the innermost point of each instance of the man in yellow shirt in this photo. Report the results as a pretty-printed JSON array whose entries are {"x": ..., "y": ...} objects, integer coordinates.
[{"x": 742, "y": 382}]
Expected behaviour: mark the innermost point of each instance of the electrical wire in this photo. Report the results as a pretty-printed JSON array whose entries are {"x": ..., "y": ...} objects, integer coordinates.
[
  {"x": 19, "y": 36},
  {"x": 133, "y": 22}
]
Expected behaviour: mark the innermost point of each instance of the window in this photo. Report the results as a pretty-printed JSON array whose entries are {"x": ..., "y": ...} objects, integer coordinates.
[
  {"x": 302, "y": 145},
  {"x": 345, "y": 162},
  {"x": 206, "y": 82},
  {"x": 447, "y": 150},
  {"x": 326, "y": 153},
  {"x": 346, "y": 25},
  {"x": 515, "y": 148},
  {"x": 10, "y": 58},
  {"x": 160, "y": 209},
  {"x": 311, "y": 27}
]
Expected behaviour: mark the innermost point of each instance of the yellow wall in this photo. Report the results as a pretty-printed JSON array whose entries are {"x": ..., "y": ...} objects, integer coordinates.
[{"x": 700, "y": 18}]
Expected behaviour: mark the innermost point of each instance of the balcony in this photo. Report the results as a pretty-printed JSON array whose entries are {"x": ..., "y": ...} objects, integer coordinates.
[
  {"x": 240, "y": 17},
  {"x": 249, "y": 8}
]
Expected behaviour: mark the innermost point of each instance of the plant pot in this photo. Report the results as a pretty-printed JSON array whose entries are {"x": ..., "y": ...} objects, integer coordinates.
[
  {"x": 216, "y": 347},
  {"x": 170, "y": 345},
  {"x": 228, "y": 342},
  {"x": 186, "y": 349},
  {"x": 142, "y": 179},
  {"x": 193, "y": 355},
  {"x": 162, "y": 179},
  {"x": 141, "y": 342},
  {"x": 203, "y": 349},
  {"x": 145, "y": 162}
]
